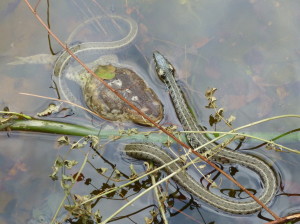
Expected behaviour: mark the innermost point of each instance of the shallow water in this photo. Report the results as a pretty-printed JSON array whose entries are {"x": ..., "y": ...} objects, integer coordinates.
[{"x": 247, "y": 49}]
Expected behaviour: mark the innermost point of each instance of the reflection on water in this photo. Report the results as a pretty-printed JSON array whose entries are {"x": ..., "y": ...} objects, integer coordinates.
[{"x": 247, "y": 49}]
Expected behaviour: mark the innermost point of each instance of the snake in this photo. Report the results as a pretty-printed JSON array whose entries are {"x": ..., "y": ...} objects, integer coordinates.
[
  {"x": 152, "y": 152},
  {"x": 104, "y": 47}
]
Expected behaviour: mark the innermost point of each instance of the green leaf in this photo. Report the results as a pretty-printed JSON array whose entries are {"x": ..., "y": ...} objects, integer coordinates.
[
  {"x": 64, "y": 140},
  {"x": 106, "y": 71},
  {"x": 70, "y": 163}
]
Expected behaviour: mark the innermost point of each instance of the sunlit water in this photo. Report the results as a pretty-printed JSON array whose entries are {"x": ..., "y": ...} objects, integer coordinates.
[{"x": 249, "y": 50}]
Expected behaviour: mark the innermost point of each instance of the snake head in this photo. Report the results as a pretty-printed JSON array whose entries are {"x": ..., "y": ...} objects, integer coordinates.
[{"x": 162, "y": 66}]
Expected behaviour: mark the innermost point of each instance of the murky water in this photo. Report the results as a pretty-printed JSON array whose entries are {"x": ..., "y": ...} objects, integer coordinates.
[{"x": 249, "y": 50}]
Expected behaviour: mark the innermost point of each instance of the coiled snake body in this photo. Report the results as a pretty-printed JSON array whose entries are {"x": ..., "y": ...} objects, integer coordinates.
[{"x": 148, "y": 151}]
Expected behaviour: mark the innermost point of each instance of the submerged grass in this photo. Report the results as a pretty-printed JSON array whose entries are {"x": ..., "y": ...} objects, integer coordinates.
[{"x": 30, "y": 124}]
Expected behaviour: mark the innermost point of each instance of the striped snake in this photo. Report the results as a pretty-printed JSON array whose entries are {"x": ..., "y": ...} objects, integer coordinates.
[
  {"x": 149, "y": 151},
  {"x": 104, "y": 47}
]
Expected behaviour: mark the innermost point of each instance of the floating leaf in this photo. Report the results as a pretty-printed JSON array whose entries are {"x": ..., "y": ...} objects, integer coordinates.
[
  {"x": 98, "y": 216},
  {"x": 219, "y": 115},
  {"x": 52, "y": 108},
  {"x": 106, "y": 72},
  {"x": 82, "y": 208},
  {"x": 211, "y": 102},
  {"x": 88, "y": 181},
  {"x": 123, "y": 192},
  {"x": 210, "y": 92},
  {"x": 147, "y": 220},
  {"x": 212, "y": 120},
  {"x": 66, "y": 182},
  {"x": 64, "y": 140},
  {"x": 117, "y": 174},
  {"x": 214, "y": 185},
  {"x": 102, "y": 170},
  {"x": 154, "y": 213},
  {"x": 94, "y": 141},
  {"x": 78, "y": 145},
  {"x": 79, "y": 178},
  {"x": 202, "y": 166},
  {"x": 271, "y": 146},
  {"x": 58, "y": 163},
  {"x": 183, "y": 158},
  {"x": 231, "y": 119},
  {"x": 70, "y": 163},
  {"x": 105, "y": 187},
  {"x": 122, "y": 131}
]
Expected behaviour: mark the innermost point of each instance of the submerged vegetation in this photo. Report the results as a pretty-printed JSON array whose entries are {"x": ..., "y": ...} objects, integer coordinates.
[{"x": 80, "y": 207}]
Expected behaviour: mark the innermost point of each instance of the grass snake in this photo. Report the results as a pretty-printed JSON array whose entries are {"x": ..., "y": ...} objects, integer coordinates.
[
  {"x": 149, "y": 151},
  {"x": 103, "y": 47}
]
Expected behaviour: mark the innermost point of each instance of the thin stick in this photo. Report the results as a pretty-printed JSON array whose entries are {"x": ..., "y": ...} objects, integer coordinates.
[{"x": 287, "y": 219}]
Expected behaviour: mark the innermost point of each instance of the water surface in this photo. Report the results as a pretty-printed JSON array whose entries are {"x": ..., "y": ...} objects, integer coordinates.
[{"x": 248, "y": 50}]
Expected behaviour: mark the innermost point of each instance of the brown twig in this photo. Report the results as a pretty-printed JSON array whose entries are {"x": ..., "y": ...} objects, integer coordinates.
[
  {"x": 289, "y": 218},
  {"x": 36, "y": 5},
  {"x": 145, "y": 116}
]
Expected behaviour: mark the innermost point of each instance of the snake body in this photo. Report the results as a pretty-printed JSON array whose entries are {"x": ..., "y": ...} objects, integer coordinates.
[
  {"x": 148, "y": 151},
  {"x": 104, "y": 47}
]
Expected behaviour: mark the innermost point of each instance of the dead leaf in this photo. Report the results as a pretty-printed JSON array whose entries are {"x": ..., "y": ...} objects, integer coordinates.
[
  {"x": 210, "y": 92},
  {"x": 231, "y": 119},
  {"x": 51, "y": 109}
]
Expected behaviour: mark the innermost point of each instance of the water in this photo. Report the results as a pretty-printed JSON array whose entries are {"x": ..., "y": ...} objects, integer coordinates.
[{"x": 247, "y": 49}]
